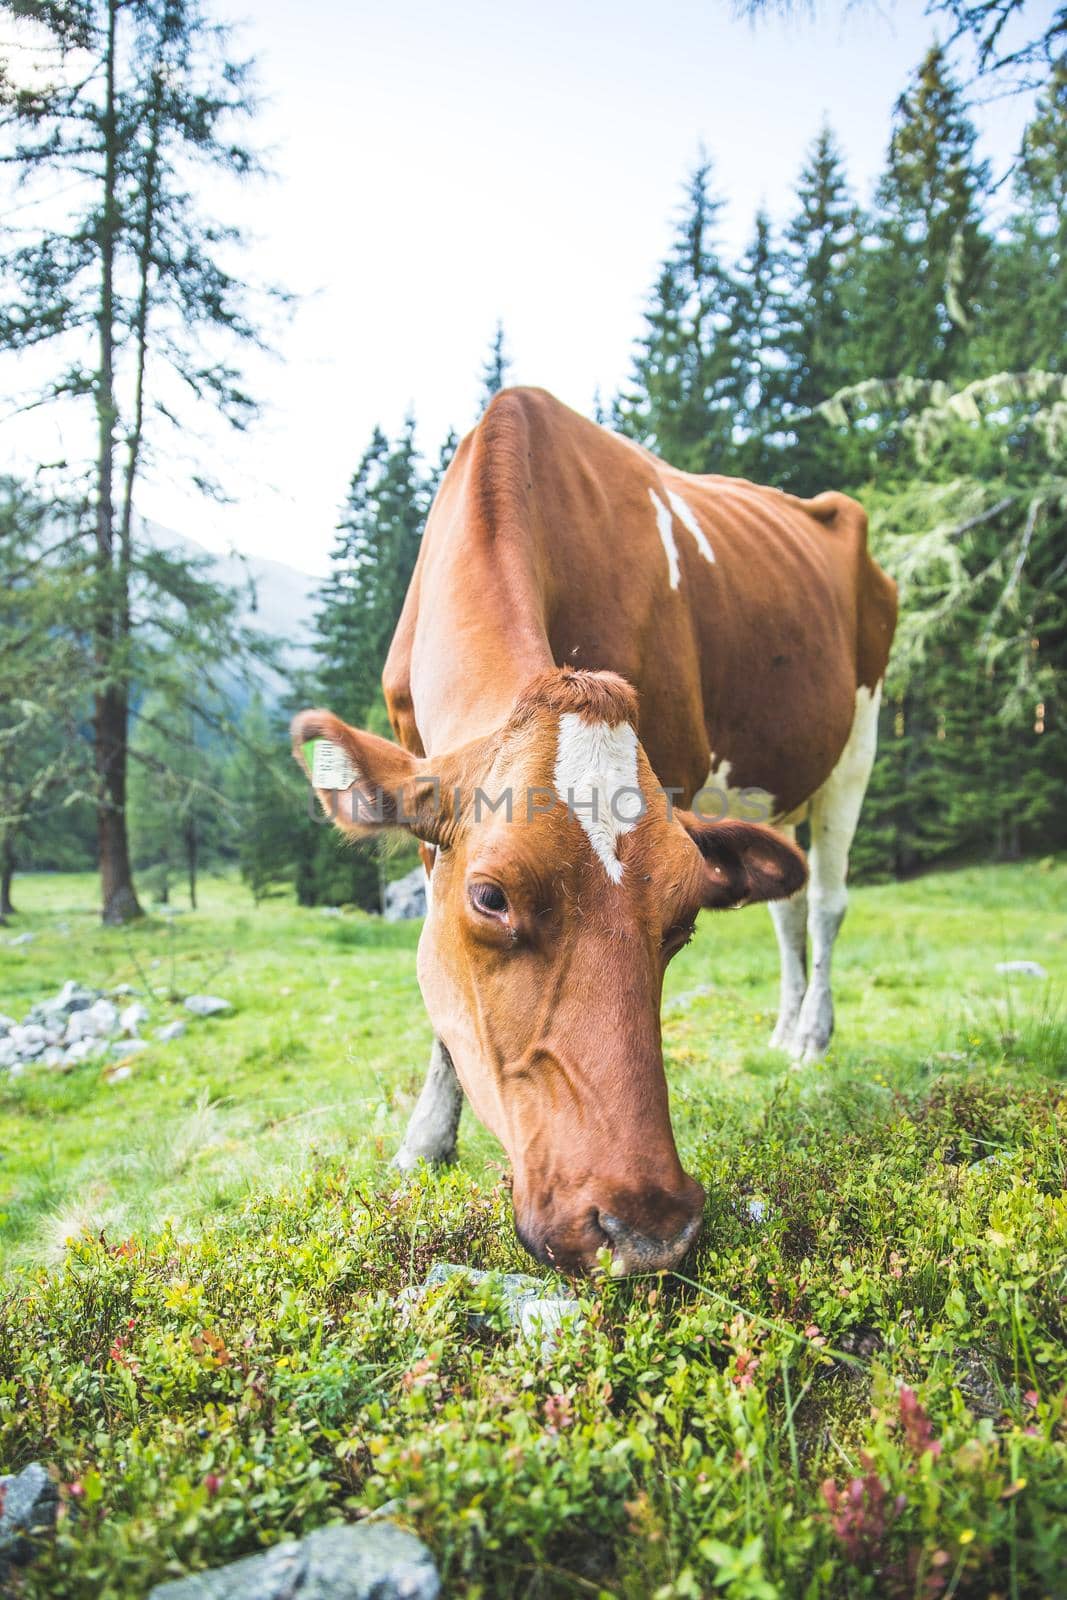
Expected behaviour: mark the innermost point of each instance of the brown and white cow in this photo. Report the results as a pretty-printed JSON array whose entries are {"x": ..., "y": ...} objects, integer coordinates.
[{"x": 587, "y": 632}]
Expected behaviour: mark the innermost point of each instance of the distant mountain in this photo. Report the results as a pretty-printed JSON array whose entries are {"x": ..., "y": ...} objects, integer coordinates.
[{"x": 277, "y": 599}]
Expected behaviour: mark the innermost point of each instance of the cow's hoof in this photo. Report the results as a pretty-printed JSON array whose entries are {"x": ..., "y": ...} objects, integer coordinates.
[
  {"x": 807, "y": 1048},
  {"x": 407, "y": 1159}
]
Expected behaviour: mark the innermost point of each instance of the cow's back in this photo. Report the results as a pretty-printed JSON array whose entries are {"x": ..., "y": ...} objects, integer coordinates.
[{"x": 746, "y": 618}]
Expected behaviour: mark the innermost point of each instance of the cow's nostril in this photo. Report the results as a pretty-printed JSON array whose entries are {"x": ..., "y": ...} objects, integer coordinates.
[{"x": 640, "y": 1252}]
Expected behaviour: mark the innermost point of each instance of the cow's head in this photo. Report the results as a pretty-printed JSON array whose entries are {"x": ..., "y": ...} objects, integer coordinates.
[{"x": 548, "y": 934}]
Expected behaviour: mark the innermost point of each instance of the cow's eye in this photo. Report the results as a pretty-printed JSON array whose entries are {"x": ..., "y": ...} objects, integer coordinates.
[{"x": 489, "y": 899}]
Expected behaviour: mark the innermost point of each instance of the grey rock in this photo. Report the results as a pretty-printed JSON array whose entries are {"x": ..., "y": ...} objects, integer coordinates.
[
  {"x": 21, "y": 938},
  {"x": 206, "y": 1005},
  {"x": 28, "y": 1504},
  {"x": 122, "y": 990},
  {"x": 366, "y": 1561},
  {"x": 73, "y": 997},
  {"x": 541, "y": 1321},
  {"x": 97, "y": 1021},
  {"x": 131, "y": 1018},
  {"x": 129, "y": 1047},
  {"x": 1025, "y": 969},
  {"x": 8, "y": 1053},
  {"x": 120, "y": 1074},
  {"x": 52, "y": 1057},
  {"x": 756, "y": 1211},
  {"x": 7, "y": 1023},
  {"x": 405, "y": 898},
  {"x": 171, "y": 1030},
  {"x": 539, "y": 1317},
  {"x": 82, "y": 1050},
  {"x": 29, "y": 1039}
]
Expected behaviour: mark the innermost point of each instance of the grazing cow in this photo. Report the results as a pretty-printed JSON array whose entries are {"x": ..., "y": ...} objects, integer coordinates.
[{"x": 585, "y": 631}]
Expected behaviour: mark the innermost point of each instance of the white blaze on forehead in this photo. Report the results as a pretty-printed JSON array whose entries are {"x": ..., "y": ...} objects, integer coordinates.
[
  {"x": 666, "y": 533},
  {"x": 596, "y": 778},
  {"x": 687, "y": 517}
]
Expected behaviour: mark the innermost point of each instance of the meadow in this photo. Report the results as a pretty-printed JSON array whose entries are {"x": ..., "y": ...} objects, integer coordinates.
[{"x": 857, "y": 1385}]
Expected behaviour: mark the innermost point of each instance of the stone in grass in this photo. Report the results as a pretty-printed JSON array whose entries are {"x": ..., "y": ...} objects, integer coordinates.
[
  {"x": 97, "y": 1021},
  {"x": 28, "y": 1505},
  {"x": 206, "y": 1005},
  {"x": 366, "y": 1561},
  {"x": 539, "y": 1317},
  {"x": 171, "y": 1030},
  {"x": 1024, "y": 969},
  {"x": 131, "y": 1018}
]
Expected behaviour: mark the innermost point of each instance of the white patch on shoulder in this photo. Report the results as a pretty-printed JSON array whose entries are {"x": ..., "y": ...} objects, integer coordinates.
[
  {"x": 719, "y": 798},
  {"x": 687, "y": 517},
  {"x": 596, "y": 778},
  {"x": 666, "y": 533}
]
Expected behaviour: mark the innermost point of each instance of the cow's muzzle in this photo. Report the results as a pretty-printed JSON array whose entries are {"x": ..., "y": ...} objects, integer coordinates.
[
  {"x": 632, "y": 1251},
  {"x": 646, "y": 1230}
]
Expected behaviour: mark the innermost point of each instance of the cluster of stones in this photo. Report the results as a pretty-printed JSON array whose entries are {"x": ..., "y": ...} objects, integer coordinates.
[
  {"x": 80, "y": 1024},
  {"x": 372, "y": 1560}
]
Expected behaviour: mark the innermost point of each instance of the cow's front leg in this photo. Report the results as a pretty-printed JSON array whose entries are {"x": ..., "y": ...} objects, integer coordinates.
[
  {"x": 431, "y": 1132},
  {"x": 791, "y": 925}
]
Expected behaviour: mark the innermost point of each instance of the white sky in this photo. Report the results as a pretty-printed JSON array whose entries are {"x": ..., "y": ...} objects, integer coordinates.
[{"x": 439, "y": 166}]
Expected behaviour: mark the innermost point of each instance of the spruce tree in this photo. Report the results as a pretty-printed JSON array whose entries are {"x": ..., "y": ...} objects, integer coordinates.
[
  {"x": 758, "y": 375},
  {"x": 44, "y": 666},
  {"x": 495, "y": 369},
  {"x": 816, "y": 338},
  {"x": 922, "y": 279},
  {"x": 682, "y": 394},
  {"x": 373, "y": 558},
  {"x": 1026, "y": 323}
]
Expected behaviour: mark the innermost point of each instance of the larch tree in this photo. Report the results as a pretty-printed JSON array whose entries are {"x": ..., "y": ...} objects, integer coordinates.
[{"x": 127, "y": 105}]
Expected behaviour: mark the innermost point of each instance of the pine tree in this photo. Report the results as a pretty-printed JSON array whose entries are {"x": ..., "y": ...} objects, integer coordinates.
[
  {"x": 496, "y": 368},
  {"x": 177, "y": 801},
  {"x": 373, "y": 559},
  {"x": 128, "y": 291},
  {"x": 922, "y": 279},
  {"x": 44, "y": 666},
  {"x": 758, "y": 374},
  {"x": 1026, "y": 325},
  {"x": 817, "y": 343},
  {"x": 682, "y": 394}
]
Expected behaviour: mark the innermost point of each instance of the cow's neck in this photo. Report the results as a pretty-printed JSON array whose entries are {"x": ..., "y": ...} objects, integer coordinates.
[{"x": 477, "y": 645}]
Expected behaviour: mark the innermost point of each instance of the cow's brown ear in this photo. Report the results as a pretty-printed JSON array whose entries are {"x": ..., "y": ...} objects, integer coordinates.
[
  {"x": 744, "y": 862},
  {"x": 365, "y": 783}
]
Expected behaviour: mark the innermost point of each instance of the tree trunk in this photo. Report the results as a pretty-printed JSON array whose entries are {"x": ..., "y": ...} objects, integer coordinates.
[
  {"x": 191, "y": 850},
  {"x": 111, "y": 700},
  {"x": 7, "y": 872},
  {"x": 120, "y": 902}
]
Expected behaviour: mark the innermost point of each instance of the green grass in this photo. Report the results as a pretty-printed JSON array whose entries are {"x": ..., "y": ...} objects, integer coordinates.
[{"x": 198, "y": 1328}]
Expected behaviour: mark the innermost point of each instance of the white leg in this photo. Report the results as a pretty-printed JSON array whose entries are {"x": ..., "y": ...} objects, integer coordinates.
[
  {"x": 431, "y": 1132},
  {"x": 835, "y": 811},
  {"x": 790, "y": 919}
]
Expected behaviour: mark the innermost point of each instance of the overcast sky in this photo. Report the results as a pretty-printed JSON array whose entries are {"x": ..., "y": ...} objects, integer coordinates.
[{"x": 440, "y": 166}]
